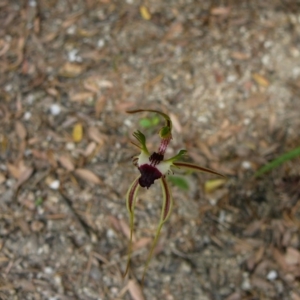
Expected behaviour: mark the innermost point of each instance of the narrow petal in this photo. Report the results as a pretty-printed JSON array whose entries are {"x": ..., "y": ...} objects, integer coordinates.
[
  {"x": 165, "y": 213},
  {"x": 142, "y": 140},
  {"x": 180, "y": 154},
  {"x": 130, "y": 202},
  {"x": 195, "y": 168}
]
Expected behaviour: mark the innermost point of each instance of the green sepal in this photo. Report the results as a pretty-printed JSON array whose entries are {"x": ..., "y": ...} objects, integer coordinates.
[
  {"x": 165, "y": 213},
  {"x": 195, "y": 168},
  {"x": 130, "y": 203},
  {"x": 180, "y": 154},
  {"x": 165, "y": 132},
  {"x": 142, "y": 140}
]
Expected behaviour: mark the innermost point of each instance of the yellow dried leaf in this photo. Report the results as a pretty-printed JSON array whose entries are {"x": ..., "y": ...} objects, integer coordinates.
[
  {"x": 212, "y": 185},
  {"x": 145, "y": 13},
  {"x": 77, "y": 133},
  {"x": 261, "y": 80}
]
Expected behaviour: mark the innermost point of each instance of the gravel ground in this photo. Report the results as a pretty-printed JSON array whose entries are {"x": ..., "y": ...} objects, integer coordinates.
[{"x": 228, "y": 74}]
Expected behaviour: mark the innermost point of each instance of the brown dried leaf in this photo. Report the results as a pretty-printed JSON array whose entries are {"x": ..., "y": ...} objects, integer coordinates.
[
  {"x": 254, "y": 100},
  {"x": 24, "y": 176},
  {"x": 99, "y": 105},
  {"x": 81, "y": 97},
  {"x": 91, "y": 84},
  {"x": 292, "y": 256},
  {"x": 21, "y": 130},
  {"x": 125, "y": 229},
  {"x": 253, "y": 228},
  {"x": 261, "y": 283},
  {"x": 295, "y": 296},
  {"x": 174, "y": 30},
  {"x": 39, "y": 154},
  {"x": 279, "y": 258},
  {"x": 220, "y": 11},
  {"x": 89, "y": 149},
  {"x": 176, "y": 124},
  {"x": 25, "y": 285},
  {"x": 2, "y": 178},
  {"x": 4, "y": 47},
  {"x": 88, "y": 176},
  {"x": 234, "y": 296},
  {"x": 239, "y": 55},
  {"x": 135, "y": 290},
  {"x": 36, "y": 226},
  {"x": 71, "y": 70},
  {"x": 95, "y": 135},
  {"x": 261, "y": 80},
  {"x": 13, "y": 170},
  {"x": 66, "y": 162},
  {"x": 141, "y": 243}
]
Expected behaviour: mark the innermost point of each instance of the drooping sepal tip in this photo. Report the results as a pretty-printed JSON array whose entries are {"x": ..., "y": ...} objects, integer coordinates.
[
  {"x": 165, "y": 213},
  {"x": 130, "y": 203},
  {"x": 165, "y": 132}
]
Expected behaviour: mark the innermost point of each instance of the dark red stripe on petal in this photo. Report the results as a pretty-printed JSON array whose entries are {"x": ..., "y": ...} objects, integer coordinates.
[
  {"x": 131, "y": 194},
  {"x": 196, "y": 168},
  {"x": 168, "y": 199}
]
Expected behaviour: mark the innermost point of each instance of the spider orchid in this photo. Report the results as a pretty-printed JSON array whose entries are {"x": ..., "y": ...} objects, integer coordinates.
[{"x": 154, "y": 167}]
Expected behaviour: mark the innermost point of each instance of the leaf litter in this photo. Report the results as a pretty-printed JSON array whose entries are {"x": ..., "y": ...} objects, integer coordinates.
[{"x": 227, "y": 74}]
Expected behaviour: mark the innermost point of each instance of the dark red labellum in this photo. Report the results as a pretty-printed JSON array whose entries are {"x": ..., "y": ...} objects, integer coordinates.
[{"x": 148, "y": 175}]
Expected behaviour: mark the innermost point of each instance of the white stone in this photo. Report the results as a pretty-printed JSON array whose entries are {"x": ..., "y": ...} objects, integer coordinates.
[
  {"x": 70, "y": 146},
  {"x": 48, "y": 270},
  {"x": 27, "y": 115},
  {"x": 246, "y": 165},
  {"x": 55, "y": 109},
  {"x": 272, "y": 275},
  {"x": 100, "y": 43},
  {"x": 54, "y": 185}
]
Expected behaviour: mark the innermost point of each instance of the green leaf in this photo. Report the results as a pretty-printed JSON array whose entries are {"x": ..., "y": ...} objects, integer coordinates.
[
  {"x": 180, "y": 182},
  {"x": 38, "y": 201},
  {"x": 146, "y": 123},
  {"x": 278, "y": 161}
]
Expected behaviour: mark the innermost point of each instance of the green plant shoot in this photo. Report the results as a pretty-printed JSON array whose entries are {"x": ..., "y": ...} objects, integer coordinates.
[{"x": 154, "y": 167}]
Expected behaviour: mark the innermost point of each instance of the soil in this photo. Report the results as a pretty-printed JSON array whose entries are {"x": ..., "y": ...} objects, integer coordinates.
[{"x": 228, "y": 74}]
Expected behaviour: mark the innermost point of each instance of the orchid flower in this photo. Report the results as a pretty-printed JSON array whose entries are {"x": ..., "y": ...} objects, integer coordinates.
[{"x": 154, "y": 167}]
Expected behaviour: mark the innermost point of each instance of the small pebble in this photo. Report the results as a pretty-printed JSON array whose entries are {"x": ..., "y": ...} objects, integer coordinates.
[
  {"x": 246, "y": 165},
  {"x": 48, "y": 270},
  {"x": 27, "y": 115},
  {"x": 54, "y": 185},
  {"x": 55, "y": 109},
  {"x": 70, "y": 146},
  {"x": 272, "y": 275},
  {"x": 100, "y": 43}
]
